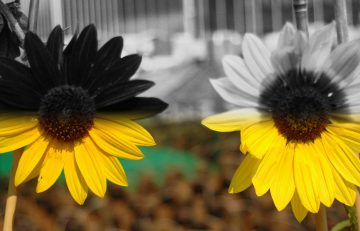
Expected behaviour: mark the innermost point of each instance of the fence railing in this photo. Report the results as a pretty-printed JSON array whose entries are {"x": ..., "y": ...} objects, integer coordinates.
[{"x": 129, "y": 16}]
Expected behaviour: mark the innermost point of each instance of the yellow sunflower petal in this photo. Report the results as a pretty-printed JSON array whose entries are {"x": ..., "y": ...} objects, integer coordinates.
[
  {"x": 243, "y": 147},
  {"x": 323, "y": 167},
  {"x": 117, "y": 147},
  {"x": 16, "y": 124},
  {"x": 30, "y": 160},
  {"x": 259, "y": 137},
  {"x": 242, "y": 178},
  {"x": 232, "y": 120},
  {"x": 298, "y": 209},
  {"x": 74, "y": 180},
  {"x": 350, "y": 135},
  {"x": 52, "y": 167},
  {"x": 130, "y": 130},
  {"x": 268, "y": 167},
  {"x": 8, "y": 144},
  {"x": 89, "y": 167},
  {"x": 306, "y": 178},
  {"x": 345, "y": 192},
  {"x": 342, "y": 157},
  {"x": 113, "y": 169},
  {"x": 283, "y": 187}
]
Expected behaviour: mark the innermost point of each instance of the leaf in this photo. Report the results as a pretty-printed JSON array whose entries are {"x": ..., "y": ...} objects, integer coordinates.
[
  {"x": 19, "y": 16},
  {"x": 341, "y": 225},
  {"x": 9, "y": 43}
]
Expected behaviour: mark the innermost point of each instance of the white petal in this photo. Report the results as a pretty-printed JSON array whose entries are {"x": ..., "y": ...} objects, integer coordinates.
[
  {"x": 289, "y": 57},
  {"x": 343, "y": 63},
  {"x": 318, "y": 48},
  {"x": 238, "y": 73},
  {"x": 354, "y": 109},
  {"x": 233, "y": 95},
  {"x": 300, "y": 43},
  {"x": 257, "y": 57},
  {"x": 353, "y": 99},
  {"x": 352, "y": 89},
  {"x": 287, "y": 36},
  {"x": 284, "y": 59}
]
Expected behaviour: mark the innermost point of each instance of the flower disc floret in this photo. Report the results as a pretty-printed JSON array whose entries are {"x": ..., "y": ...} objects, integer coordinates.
[
  {"x": 300, "y": 103},
  {"x": 67, "y": 113}
]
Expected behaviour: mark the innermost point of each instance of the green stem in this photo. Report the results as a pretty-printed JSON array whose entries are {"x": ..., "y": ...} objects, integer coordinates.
[
  {"x": 341, "y": 225},
  {"x": 12, "y": 194},
  {"x": 342, "y": 29},
  {"x": 321, "y": 219},
  {"x": 301, "y": 15}
]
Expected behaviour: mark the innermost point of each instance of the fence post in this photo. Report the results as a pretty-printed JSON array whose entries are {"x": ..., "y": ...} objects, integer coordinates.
[{"x": 190, "y": 18}]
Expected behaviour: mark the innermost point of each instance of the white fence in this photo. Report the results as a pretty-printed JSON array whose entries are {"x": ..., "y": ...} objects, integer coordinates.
[{"x": 129, "y": 16}]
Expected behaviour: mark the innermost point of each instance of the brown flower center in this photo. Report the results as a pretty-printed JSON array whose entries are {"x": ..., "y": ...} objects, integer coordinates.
[
  {"x": 300, "y": 103},
  {"x": 67, "y": 113}
]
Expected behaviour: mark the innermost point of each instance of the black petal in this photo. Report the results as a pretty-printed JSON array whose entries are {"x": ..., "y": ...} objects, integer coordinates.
[
  {"x": 44, "y": 69},
  {"x": 16, "y": 86},
  {"x": 5, "y": 108},
  {"x": 55, "y": 44},
  {"x": 65, "y": 68},
  {"x": 9, "y": 43},
  {"x": 141, "y": 106},
  {"x": 69, "y": 48},
  {"x": 19, "y": 98},
  {"x": 83, "y": 56},
  {"x": 120, "y": 71},
  {"x": 105, "y": 58},
  {"x": 121, "y": 91},
  {"x": 18, "y": 74},
  {"x": 110, "y": 51}
]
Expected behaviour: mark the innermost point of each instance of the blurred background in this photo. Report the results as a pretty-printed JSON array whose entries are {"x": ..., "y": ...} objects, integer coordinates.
[{"x": 182, "y": 183}]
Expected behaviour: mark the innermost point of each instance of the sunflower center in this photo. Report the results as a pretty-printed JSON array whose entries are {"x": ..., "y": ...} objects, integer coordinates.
[
  {"x": 67, "y": 113},
  {"x": 300, "y": 103}
]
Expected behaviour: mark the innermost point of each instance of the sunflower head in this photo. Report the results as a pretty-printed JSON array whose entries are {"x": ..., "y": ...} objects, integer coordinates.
[
  {"x": 298, "y": 112},
  {"x": 74, "y": 109}
]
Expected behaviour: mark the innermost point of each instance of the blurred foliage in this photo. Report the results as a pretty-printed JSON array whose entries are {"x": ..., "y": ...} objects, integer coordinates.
[{"x": 9, "y": 43}]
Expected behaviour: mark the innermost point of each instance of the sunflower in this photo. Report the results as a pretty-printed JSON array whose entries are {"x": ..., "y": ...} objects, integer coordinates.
[
  {"x": 297, "y": 112},
  {"x": 74, "y": 110}
]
